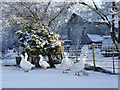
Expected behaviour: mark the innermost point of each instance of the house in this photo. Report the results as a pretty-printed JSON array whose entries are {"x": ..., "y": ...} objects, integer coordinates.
[{"x": 78, "y": 28}]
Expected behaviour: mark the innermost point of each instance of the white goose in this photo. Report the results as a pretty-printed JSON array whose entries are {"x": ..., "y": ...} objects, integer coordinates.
[
  {"x": 26, "y": 65},
  {"x": 65, "y": 64},
  {"x": 79, "y": 66},
  {"x": 42, "y": 63}
]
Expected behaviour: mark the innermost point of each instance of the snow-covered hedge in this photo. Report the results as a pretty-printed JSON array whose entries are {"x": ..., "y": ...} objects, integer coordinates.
[{"x": 38, "y": 39}]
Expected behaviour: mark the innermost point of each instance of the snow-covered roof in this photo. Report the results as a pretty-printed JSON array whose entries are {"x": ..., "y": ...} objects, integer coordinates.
[
  {"x": 66, "y": 40},
  {"x": 95, "y": 38},
  {"x": 109, "y": 36},
  {"x": 106, "y": 36}
]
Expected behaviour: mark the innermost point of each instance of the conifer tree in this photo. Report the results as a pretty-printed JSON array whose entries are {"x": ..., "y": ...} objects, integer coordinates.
[{"x": 37, "y": 39}]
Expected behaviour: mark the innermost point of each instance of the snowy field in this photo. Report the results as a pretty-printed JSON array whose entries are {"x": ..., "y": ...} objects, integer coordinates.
[
  {"x": 104, "y": 62},
  {"x": 101, "y": 61},
  {"x": 52, "y": 78},
  {"x": 15, "y": 77}
]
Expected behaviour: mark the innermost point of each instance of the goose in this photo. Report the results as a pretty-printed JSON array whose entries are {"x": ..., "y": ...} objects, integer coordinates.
[
  {"x": 79, "y": 66},
  {"x": 26, "y": 65},
  {"x": 65, "y": 64},
  {"x": 42, "y": 63}
]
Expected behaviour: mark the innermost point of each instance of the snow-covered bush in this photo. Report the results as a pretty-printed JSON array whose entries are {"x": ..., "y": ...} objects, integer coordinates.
[{"x": 38, "y": 39}]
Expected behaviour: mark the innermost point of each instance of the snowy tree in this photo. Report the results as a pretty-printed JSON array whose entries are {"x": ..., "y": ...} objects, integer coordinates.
[
  {"x": 37, "y": 39},
  {"x": 106, "y": 19},
  {"x": 48, "y": 16},
  {"x": 51, "y": 14},
  {"x": 56, "y": 14}
]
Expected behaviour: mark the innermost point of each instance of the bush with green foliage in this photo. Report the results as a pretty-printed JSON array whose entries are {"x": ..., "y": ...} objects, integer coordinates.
[{"x": 38, "y": 39}]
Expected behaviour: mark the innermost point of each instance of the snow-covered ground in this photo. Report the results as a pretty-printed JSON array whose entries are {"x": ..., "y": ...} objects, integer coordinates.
[
  {"x": 52, "y": 78},
  {"x": 104, "y": 62},
  {"x": 101, "y": 61},
  {"x": 15, "y": 77}
]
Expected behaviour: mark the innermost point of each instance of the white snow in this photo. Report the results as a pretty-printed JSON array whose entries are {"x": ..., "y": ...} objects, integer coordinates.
[
  {"x": 101, "y": 61},
  {"x": 9, "y": 58},
  {"x": 66, "y": 40},
  {"x": 53, "y": 78},
  {"x": 15, "y": 77},
  {"x": 19, "y": 31},
  {"x": 95, "y": 38}
]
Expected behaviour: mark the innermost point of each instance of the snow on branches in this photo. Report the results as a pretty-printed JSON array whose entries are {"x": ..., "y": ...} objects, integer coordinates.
[{"x": 38, "y": 39}]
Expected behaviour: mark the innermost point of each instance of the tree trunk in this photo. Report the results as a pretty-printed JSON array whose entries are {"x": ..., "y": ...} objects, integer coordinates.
[
  {"x": 36, "y": 61},
  {"x": 114, "y": 41},
  {"x": 104, "y": 17},
  {"x": 112, "y": 29},
  {"x": 57, "y": 57},
  {"x": 119, "y": 28},
  {"x": 62, "y": 57},
  {"x": 51, "y": 61},
  {"x": 32, "y": 60},
  {"x": 113, "y": 23},
  {"x": 119, "y": 33},
  {"x": 119, "y": 38}
]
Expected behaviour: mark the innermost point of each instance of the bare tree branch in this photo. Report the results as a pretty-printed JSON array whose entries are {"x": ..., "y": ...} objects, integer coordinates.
[
  {"x": 104, "y": 17},
  {"x": 99, "y": 13},
  {"x": 95, "y": 5},
  {"x": 44, "y": 14},
  {"x": 55, "y": 17},
  {"x": 19, "y": 13},
  {"x": 115, "y": 6},
  {"x": 32, "y": 12},
  {"x": 60, "y": 13}
]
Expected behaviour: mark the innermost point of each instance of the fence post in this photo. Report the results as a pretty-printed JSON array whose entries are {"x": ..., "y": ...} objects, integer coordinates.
[
  {"x": 76, "y": 54},
  {"x": 93, "y": 47},
  {"x": 113, "y": 58}
]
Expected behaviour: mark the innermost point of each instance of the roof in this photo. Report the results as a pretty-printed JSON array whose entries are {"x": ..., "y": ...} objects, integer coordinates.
[
  {"x": 109, "y": 36},
  {"x": 95, "y": 38},
  {"x": 66, "y": 40}
]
